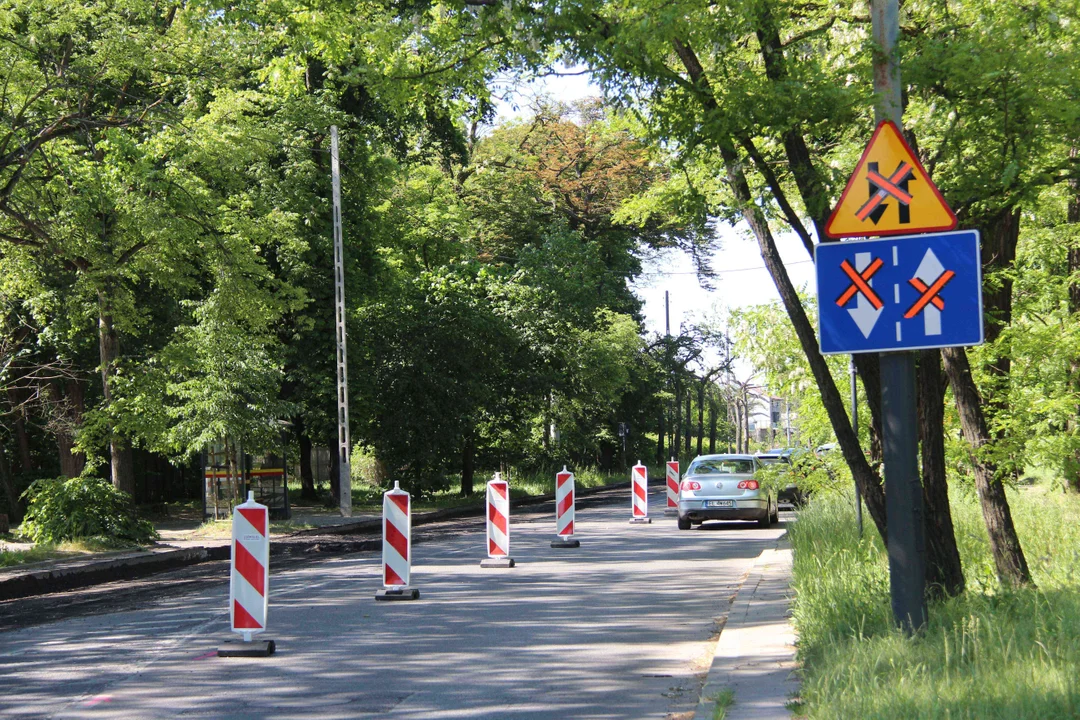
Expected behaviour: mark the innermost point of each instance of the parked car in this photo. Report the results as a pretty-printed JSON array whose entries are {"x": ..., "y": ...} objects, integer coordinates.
[
  {"x": 722, "y": 487},
  {"x": 790, "y": 495}
]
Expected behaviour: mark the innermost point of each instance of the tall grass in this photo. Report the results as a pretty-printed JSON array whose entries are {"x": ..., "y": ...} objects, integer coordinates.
[{"x": 991, "y": 653}]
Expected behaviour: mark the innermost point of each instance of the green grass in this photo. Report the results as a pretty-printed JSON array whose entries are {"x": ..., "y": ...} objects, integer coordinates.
[
  {"x": 724, "y": 700},
  {"x": 60, "y": 551},
  {"x": 989, "y": 654}
]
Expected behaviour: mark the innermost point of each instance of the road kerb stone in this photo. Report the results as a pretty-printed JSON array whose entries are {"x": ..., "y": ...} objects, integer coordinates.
[{"x": 755, "y": 654}]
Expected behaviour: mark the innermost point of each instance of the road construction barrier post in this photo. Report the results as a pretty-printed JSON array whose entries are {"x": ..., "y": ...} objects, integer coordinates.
[
  {"x": 397, "y": 546},
  {"x": 564, "y": 511},
  {"x": 498, "y": 524},
  {"x": 639, "y": 495},
  {"x": 672, "y": 488},
  {"x": 249, "y": 582}
]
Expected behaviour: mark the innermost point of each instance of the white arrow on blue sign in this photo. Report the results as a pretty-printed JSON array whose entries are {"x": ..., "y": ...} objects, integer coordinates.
[{"x": 901, "y": 293}]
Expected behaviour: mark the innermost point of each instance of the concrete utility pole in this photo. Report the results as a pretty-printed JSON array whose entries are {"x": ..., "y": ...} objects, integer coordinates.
[
  {"x": 903, "y": 492},
  {"x": 344, "y": 473},
  {"x": 667, "y": 315}
]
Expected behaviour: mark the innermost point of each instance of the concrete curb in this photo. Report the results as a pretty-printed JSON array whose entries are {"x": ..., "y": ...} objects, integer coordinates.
[
  {"x": 755, "y": 655},
  {"x": 51, "y": 577},
  {"x": 76, "y": 574}
]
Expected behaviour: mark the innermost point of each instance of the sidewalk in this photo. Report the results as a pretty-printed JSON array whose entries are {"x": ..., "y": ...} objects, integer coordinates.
[{"x": 755, "y": 655}]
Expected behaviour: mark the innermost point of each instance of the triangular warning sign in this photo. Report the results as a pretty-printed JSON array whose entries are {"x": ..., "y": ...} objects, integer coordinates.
[{"x": 889, "y": 193}]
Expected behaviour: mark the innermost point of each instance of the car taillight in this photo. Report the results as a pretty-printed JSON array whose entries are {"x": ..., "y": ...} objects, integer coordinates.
[
  {"x": 691, "y": 485},
  {"x": 748, "y": 485}
]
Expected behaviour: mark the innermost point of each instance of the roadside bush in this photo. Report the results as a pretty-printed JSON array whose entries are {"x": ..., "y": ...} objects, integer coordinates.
[{"x": 60, "y": 509}]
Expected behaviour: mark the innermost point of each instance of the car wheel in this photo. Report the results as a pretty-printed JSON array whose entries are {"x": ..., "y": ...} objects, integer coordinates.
[
  {"x": 765, "y": 521},
  {"x": 684, "y": 523},
  {"x": 775, "y": 517}
]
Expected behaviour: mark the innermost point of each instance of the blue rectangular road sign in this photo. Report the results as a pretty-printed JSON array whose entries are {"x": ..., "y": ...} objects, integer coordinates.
[{"x": 900, "y": 293}]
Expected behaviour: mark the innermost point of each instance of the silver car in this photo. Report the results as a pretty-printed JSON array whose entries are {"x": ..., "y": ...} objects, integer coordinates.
[{"x": 722, "y": 487}]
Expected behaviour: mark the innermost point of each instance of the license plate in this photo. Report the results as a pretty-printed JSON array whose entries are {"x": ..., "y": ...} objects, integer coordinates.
[{"x": 719, "y": 503}]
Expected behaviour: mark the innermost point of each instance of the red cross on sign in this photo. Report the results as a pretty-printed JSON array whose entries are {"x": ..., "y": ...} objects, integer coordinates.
[
  {"x": 929, "y": 293},
  {"x": 860, "y": 283},
  {"x": 887, "y": 187}
]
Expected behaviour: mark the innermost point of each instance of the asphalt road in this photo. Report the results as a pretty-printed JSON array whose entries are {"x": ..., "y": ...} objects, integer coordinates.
[{"x": 623, "y": 627}]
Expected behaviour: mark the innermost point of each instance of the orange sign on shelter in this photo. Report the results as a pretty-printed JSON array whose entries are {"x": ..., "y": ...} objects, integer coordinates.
[{"x": 889, "y": 193}]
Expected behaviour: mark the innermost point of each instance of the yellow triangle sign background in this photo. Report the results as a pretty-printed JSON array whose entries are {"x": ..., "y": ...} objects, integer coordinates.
[{"x": 889, "y": 193}]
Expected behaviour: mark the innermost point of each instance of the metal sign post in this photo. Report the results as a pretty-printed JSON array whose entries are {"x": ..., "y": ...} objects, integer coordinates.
[
  {"x": 903, "y": 492},
  {"x": 344, "y": 472}
]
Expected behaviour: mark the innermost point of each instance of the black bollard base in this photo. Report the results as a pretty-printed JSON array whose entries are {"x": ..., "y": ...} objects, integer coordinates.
[
  {"x": 504, "y": 562},
  {"x": 255, "y": 648},
  {"x": 398, "y": 594}
]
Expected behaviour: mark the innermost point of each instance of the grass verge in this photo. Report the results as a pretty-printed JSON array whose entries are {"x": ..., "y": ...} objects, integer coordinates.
[
  {"x": 368, "y": 498},
  {"x": 989, "y": 654},
  {"x": 60, "y": 551}
]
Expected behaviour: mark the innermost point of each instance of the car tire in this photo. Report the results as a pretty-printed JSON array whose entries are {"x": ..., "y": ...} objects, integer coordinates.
[
  {"x": 775, "y": 517},
  {"x": 684, "y": 523},
  {"x": 766, "y": 521}
]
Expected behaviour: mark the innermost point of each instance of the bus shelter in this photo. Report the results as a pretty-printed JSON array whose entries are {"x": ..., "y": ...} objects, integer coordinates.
[{"x": 230, "y": 472}]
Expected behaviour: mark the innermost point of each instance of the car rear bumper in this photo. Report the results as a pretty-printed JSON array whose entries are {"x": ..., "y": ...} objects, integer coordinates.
[{"x": 743, "y": 509}]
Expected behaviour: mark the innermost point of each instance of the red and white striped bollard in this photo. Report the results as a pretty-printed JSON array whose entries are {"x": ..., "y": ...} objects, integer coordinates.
[
  {"x": 564, "y": 511},
  {"x": 498, "y": 524},
  {"x": 249, "y": 580},
  {"x": 672, "y": 488},
  {"x": 639, "y": 495},
  {"x": 397, "y": 546}
]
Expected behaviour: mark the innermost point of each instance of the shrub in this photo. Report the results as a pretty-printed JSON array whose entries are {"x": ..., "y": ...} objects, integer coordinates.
[{"x": 84, "y": 507}]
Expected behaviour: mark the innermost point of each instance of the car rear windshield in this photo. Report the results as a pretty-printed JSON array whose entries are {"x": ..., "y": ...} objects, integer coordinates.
[
  {"x": 722, "y": 467},
  {"x": 771, "y": 459}
]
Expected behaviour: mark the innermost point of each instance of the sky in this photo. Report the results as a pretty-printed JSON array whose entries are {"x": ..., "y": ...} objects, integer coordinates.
[{"x": 741, "y": 278}]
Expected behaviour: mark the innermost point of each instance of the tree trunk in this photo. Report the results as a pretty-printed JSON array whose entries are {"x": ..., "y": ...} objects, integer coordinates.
[
  {"x": 123, "y": 473},
  {"x": 746, "y": 423},
  {"x": 868, "y": 482},
  {"x": 999, "y": 239},
  {"x": 1012, "y": 568},
  {"x": 661, "y": 456},
  {"x": 11, "y": 493},
  {"x": 468, "y": 469},
  {"x": 869, "y": 371},
  {"x": 22, "y": 438},
  {"x": 1072, "y": 464},
  {"x": 737, "y": 405},
  {"x": 700, "y": 416},
  {"x": 676, "y": 439},
  {"x": 335, "y": 471},
  {"x": 689, "y": 424},
  {"x": 944, "y": 576},
  {"x": 712, "y": 425},
  {"x": 307, "y": 477},
  {"x": 547, "y": 423},
  {"x": 72, "y": 404}
]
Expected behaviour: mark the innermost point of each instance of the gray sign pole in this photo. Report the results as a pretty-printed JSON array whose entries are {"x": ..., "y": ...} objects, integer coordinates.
[
  {"x": 344, "y": 474},
  {"x": 903, "y": 491}
]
